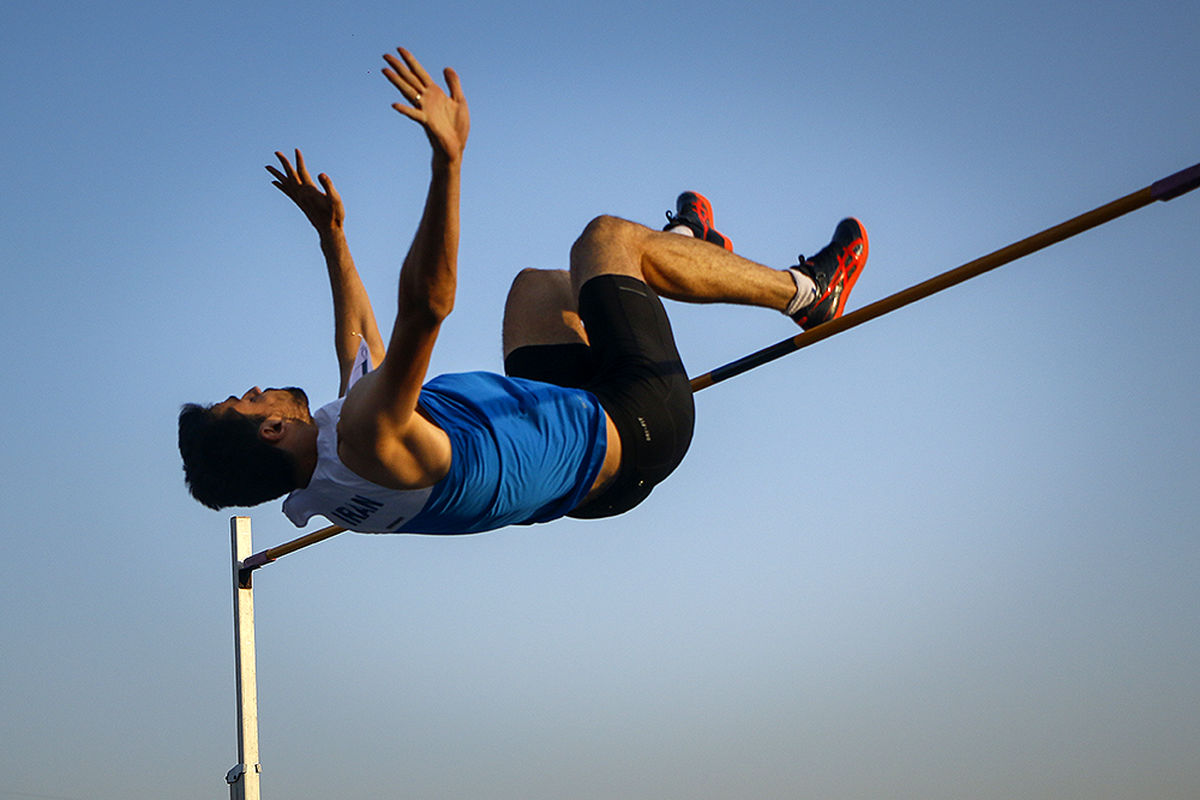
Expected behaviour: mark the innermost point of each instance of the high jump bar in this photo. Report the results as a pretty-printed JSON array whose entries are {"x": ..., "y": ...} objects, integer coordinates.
[{"x": 1166, "y": 189}]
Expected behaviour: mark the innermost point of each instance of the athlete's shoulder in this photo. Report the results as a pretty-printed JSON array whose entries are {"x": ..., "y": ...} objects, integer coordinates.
[{"x": 412, "y": 455}]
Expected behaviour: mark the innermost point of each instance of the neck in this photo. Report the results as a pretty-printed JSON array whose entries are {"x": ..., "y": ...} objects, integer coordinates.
[{"x": 302, "y": 445}]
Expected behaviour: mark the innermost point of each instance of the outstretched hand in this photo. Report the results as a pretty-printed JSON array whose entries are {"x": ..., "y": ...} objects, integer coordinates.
[
  {"x": 323, "y": 209},
  {"x": 445, "y": 118}
]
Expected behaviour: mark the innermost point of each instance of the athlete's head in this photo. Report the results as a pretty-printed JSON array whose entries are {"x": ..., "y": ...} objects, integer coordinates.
[{"x": 231, "y": 453}]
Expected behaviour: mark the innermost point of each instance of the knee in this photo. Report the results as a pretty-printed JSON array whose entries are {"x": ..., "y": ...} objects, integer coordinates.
[
  {"x": 532, "y": 280},
  {"x": 605, "y": 226},
  {"x": 607, "y": 231},
  {"x": 525, "y": 278},
  {"x": 540, "y": 309},
  {"x": 533, "y": 291}
]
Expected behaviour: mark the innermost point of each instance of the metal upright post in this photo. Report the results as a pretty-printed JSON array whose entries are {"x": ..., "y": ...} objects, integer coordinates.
[{"x": 243, "y": 779}]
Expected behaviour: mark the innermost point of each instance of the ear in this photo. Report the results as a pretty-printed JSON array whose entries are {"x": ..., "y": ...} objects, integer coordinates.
[{"x": 272, "y": 430}]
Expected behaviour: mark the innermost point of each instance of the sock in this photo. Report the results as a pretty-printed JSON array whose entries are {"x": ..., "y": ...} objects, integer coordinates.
[
  {"x": 806, "y": 292},
  {"x": 681, "y": 229}
]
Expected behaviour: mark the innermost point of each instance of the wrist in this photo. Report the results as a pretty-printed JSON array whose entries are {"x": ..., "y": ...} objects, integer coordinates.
[
  {"x": 446, "y": 162},
  {"x": 332, "y": 231}
]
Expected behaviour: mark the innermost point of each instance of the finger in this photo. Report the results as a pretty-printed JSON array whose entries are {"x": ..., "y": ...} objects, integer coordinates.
[
  {"x": 278, "y": 175},
  {"x": 453, "y": 84},
  {"x": 415, "y": 66},
  {"x": 287, "y": 165},
  {"x": 416, "y": 115},
  {"x": 400, "y": 76},
  {"x": 395, "y": 79},
  {"x": 302, "y": 170},
  {"x": 407, "y": 91},
  {"x": 327, "y": 184}
]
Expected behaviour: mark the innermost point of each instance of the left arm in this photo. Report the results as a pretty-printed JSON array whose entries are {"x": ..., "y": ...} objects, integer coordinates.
[{"x": 382, "y": 437}]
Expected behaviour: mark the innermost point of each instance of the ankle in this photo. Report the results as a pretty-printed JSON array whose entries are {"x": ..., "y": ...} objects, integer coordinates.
[{"x": 806, "y": 292}]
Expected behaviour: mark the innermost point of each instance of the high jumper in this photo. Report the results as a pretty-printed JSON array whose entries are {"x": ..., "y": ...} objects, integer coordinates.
[{"x": 594, "y": 410}]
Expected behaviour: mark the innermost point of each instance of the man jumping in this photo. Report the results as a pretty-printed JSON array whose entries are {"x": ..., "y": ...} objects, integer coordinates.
[{"x": 594, "y": 410}]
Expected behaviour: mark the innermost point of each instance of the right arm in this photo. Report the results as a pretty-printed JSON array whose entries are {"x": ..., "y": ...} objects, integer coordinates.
[{"x": 353, "y": 317}]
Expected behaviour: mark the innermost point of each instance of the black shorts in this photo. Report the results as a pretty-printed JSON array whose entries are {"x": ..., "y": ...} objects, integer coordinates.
[{"x": 632, "y": 366}]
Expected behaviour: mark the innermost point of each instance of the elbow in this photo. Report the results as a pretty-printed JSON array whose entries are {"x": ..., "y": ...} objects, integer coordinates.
[
  {"x": 429, "y": 300},
  {"x": 439, "y": 311},
  {"x": 427, "y": 311},
  {"x": 439, "y": 303}
]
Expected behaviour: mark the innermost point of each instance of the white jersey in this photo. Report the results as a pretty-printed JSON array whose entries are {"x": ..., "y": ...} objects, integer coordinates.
[{"x": 342, "y": 496}]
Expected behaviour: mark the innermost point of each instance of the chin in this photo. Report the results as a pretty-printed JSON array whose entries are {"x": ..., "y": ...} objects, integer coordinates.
[{"x": 298, "y": 393}]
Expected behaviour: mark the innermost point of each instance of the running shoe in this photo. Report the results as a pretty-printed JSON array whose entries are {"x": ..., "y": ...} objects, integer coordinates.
[
  {"x": 693, "y": 210},
  {"x": 834, "y": 270}
]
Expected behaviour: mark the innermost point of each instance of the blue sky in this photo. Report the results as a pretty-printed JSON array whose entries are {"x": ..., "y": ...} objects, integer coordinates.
[{"x": 950, "y": 553}]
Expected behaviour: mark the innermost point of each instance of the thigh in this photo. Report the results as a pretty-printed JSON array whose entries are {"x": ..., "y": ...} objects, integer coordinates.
[
  {"x": 628, "y": 329},
  {"x": 642, "y": 384},
  {"x": 608, "y": 246},
  {"x": 541, "y": 309}
]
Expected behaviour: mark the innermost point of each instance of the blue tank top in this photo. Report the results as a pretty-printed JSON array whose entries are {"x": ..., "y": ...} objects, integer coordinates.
[{"x": 521, "y": 452}]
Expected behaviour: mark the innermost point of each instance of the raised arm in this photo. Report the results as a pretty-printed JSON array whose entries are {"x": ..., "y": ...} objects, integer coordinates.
[
  {"x": 428, "y": 277},
  {"x": 382, "y": 437},
  {"x": 353, "y": 317}
]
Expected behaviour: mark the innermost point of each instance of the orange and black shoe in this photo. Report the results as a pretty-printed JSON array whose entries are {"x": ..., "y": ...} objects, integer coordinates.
[
  {"x": 693, "y": 210},
  {"x": 834, "y": 270}
]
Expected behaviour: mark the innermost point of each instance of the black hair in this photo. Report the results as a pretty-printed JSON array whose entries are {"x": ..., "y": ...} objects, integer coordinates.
[{"x": 225, "y": 463}]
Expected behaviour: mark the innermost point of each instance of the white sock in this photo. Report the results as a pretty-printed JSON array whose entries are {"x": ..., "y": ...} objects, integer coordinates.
[
  {"x": 806, "y": 292},
  {"x": 682, "y": 229}
]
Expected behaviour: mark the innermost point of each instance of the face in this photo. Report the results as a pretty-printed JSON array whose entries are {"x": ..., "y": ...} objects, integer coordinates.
[{"x": 288, "y": 403}]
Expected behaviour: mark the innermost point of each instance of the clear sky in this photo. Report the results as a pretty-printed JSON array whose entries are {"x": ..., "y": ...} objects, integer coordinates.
[{"x": 952, "y": 553}]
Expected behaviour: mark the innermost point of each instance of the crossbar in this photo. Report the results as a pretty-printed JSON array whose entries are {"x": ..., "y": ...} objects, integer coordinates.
[
  {"x": 1166, "y": 189},
  {"x": 267, "y": 556}
]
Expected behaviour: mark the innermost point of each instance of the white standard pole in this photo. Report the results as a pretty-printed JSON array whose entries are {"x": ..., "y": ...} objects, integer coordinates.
[{"x": 243, "y": 778}]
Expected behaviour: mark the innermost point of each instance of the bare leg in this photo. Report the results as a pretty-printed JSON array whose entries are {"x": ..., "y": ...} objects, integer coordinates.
[
  {"x": 677, "y": 267},
  {"x": 541, "y": 309}
]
